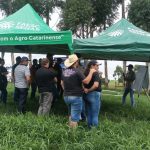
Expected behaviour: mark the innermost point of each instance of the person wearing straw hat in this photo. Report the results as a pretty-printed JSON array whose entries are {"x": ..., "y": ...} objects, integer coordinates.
[{"x": 72, "y": 79}]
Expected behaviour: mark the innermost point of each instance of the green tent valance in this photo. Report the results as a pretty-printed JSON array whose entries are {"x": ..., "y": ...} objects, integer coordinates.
[
  {"x": 121, "y": 41},
  {"x": 25, "y": 31}
]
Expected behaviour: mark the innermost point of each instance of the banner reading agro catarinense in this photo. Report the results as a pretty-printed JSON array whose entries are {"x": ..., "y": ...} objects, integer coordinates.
[
  {"x": 33, "y": 39},
  {"x": 22, "y": 33}
]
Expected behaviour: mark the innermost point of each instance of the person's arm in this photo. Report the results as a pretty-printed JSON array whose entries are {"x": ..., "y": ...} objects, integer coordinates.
[
  {"x": 27, "y": 77},
  {"x": 89, "y": 77},
  {"x": 62, "y": 84},
  {"x": 94, "y": 86},
  {"x": 55, "y": 80}
]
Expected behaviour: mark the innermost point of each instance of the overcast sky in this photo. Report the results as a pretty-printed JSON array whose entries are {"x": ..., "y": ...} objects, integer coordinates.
[{"x": 54, "y": 20}]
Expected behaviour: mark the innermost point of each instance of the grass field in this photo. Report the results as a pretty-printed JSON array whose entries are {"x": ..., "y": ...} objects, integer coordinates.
[{"x": 120, "y": 128}]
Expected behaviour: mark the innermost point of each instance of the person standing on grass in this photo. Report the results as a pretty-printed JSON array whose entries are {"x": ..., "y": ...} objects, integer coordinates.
[
  {"x": 18, "y": 60},
  {"x": 72, "y": 79},
  {"x": 92, "y": 96},
  {"x": 3, "y": 72},
  {"x": 22, "y": 80},
  {"x": 45, "y": 78},
  {"x": 58, "y": 69},
  {"x": 33, "y": 70},
  {"x": 129, "y": 78}
]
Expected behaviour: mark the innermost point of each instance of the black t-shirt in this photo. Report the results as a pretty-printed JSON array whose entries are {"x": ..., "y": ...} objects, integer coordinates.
[
  {"x": 72, "y": 79},
  {"x": 95, "y": 78},
  {"x": 3, "y": 78},
  {"x": 44, "y": 79}
]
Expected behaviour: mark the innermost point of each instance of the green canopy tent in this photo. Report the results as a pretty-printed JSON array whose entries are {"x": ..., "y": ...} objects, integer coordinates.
[
  {"x": 25, "y": 32},
  {"x": 121, "y": 41}
]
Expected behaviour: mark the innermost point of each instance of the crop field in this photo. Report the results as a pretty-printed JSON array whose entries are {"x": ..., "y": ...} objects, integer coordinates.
[{"x": 120, "y": 127}]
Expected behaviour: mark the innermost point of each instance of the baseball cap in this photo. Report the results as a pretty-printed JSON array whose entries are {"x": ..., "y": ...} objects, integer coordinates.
[
  {"x": 94, "y": 62},
  {"x": 130, "y": 66},
  {"x": 24, "y": 58}
]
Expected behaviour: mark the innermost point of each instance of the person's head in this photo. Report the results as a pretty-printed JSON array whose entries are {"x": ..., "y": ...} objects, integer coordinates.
[
  {"x": 45, "y": 63},
  {"x": 24, "y": 60},
  {"x": 71, "y": 61},
  {"x": 34, "y": 61},
  {"x": 40, "y": 60},
  {"x": 93, "y": 64},
  {"x": 18, "y": 60},
  {"x": 49, "y": 57},
  {"x": 130, "y": 67}
]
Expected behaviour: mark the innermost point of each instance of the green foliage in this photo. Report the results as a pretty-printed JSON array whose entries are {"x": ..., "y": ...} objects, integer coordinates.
[
  {"x": 105, "y": 11},
  {"x": 118, "y": 74},
  {"x": 139, "y": 13},
  {"x": 120, "y": 127},
  {"x": 42, "y": 7},
  {"x": 76, "y": 13},
  {"x": 84, "y": 17}
]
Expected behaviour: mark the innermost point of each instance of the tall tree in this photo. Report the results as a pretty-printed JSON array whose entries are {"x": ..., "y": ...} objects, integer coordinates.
[
  {"x": 43, "y": 7},
  {"x": 118, "y": 74},
  {"x": 77, "y": 16},
  {"x": 84, "y": 17},
  {"x": 139, "y": 13}
]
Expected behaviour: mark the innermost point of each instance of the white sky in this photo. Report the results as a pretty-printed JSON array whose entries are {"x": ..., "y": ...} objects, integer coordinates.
[{"x": 54, "y": 20}]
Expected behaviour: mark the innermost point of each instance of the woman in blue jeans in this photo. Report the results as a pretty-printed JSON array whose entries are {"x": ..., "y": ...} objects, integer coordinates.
[
  {"x": 92, "y": 95},
  {"x": 72, "y": 80}
]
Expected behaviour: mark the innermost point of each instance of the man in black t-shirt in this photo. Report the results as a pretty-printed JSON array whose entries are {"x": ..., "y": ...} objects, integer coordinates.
[
  {"x": 45, "y": 78},
  {"x": 129, "y": 78},
  {"x": 18, "y": 60},
  {"x": 4, "y": 82}
]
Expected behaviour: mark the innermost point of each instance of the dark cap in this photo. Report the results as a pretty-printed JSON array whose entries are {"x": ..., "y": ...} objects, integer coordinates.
[
  {"x": 24, "y": 58},
  {"x": 130, "y": 66},
  {"x": 94, "y": 62}
]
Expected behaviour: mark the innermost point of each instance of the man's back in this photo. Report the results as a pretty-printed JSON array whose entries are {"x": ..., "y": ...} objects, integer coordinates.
[
  {"x": 21, "y": 71},
  {"x": 44, "y": 78}
]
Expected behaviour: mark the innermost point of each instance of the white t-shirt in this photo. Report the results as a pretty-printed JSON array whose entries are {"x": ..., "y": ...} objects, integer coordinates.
[{"x": 21, "y": 71}]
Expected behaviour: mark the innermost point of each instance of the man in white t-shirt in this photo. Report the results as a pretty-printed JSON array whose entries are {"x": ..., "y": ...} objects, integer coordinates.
[{"x": 22, "y": 80}]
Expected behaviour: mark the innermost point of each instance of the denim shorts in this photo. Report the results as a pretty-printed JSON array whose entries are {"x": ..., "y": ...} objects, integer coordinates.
[{"x": 74, "y": 104}]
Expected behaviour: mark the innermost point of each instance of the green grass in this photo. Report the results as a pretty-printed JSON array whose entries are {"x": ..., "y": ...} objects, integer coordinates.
[{"x": 120, "y": 128}]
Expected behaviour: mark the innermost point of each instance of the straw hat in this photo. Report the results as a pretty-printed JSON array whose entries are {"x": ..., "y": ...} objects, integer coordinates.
[{"x": 70, "y": 60}]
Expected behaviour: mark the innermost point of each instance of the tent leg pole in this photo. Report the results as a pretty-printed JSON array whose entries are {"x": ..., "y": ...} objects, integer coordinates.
[{"x": 147, "y": 95}]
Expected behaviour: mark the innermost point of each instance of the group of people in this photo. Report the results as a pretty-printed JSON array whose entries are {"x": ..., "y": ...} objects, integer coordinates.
[{"x": 80, "y": 87}]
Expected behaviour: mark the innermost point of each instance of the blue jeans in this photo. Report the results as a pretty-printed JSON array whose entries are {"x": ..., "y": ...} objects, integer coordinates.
[
  {"x": 74, "y": 104},
  {"x": 128, "y": 90},
  {"x": 21, "y": 96},
  {"x": 92, "y": 107}
]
